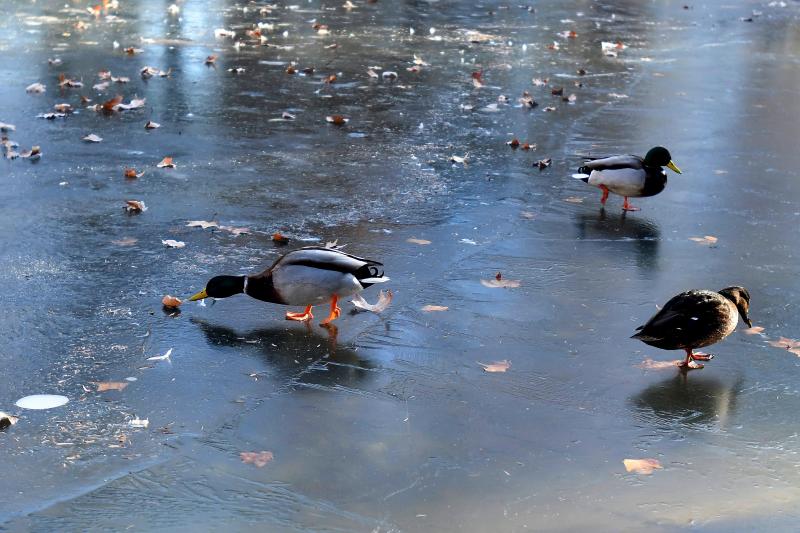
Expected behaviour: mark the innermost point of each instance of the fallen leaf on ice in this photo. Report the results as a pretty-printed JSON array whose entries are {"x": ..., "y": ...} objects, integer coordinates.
[
  {"x": 63, "y": 108},
  {"x": 500, "y": 283},
  {"x": 543, "y": 163},
  {"x": 7, "y": 127},
  {"x": 337, "y": 120},
  {"x": 641, "y": 466},
  {"x": 166, "y": 163},
  {"x": 63, "y": 81},
  {"x": 221, "y": 32},
  {"x": 135, "y": 206},
  {"x": 432, "y": 308},
  {"x": 131, "y": 173},
  {"x": 36, "y": 88},
  {"x": 202, "y": 224},
  {"x": 171, "y": 243},
  {"x": 125, "y": 241},
  {"x": 784, "y": 342},
  {"x": 103, "y": 386},
  {"x": 279, "y": 238},
  {"x": 497, "y": 366},
  {"x": 234, "y": 231},
  {"x": 477, "y": 79},
  {"x": 135, "y": 103},
  {"x": 151, "y": 125},
  {"x": 110, "y": 105},
  {"x": 755, "y": 330},
  {"x": 139, "y": 423},
  {"x": 708, "y": 239},
  {"x": 92, "y": 138},
  {"x": 414, "y": 240},
  {"x": 171, "y": 301},
  {"x": 133, "y": 51},
  {"x": 259, "y": 459},
  {"x": 210, "y": 60},
  {"x": 459, "y": 159},
  {"x": 574, "y": 200},
  {"x": 384, "y": 299},
  {"x": 649, "y": 364},
  {"x": 164, "y": 357},
  {"x": 7, "y": 420},
  {"x": 372, "y": 74}
]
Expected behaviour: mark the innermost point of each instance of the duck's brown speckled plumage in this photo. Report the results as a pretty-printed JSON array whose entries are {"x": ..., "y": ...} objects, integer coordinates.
[{"x": 696, "y": 318}]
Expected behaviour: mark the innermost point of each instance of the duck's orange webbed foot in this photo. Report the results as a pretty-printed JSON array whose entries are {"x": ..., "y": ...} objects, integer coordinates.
[
  {"x": 628, "y": 207},
  {"x": 690, "y": 364},
  {"x": 700, "y": 356},
  {"x": 605, "y": 194},
  {"x": 301, "y": 317},
  {"x": 335, "y": 311}
]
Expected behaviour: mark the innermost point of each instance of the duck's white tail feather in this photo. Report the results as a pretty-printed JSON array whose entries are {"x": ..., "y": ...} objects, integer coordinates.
[{"x": 374, "y": 280}]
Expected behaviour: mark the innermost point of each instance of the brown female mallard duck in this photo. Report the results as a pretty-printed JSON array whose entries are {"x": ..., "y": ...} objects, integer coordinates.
[{"x": 694, "y": 319}]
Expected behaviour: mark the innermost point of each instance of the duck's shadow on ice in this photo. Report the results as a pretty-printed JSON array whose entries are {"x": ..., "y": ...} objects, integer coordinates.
[
  {"x": 618, "y": 234},
  {"x": 687, "y": 399},
  {"x": 295, "y": 353}
]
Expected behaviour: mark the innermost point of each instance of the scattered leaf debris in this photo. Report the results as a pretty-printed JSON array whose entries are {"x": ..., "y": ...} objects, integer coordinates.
[
  {"x": 496, "y": 366},
  {"x": 259, "y": 459},
  {"x": 641, "y": 466},
  {"x": 384, "y": 299}
]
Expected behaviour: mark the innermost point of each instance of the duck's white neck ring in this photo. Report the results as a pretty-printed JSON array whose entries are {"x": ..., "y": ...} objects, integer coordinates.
[{"x": 244, "y": 287}]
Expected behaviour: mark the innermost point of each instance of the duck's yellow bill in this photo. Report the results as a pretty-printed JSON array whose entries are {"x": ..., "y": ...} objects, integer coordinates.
[
  {"x": 199, "y": 296},
  {"x": 673, "y": 167}
]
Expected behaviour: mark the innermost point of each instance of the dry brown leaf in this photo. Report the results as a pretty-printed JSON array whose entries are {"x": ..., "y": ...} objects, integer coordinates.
[
  {"x": 279, "y": 238},
  {"x": 110, "y": 105},
  {"x": 7, "y": 420},
  {"x": 210, "y": 60},
  {"x": 135, "y": 206},
  {"x": 543, "y": 163},
  {"x": 755, "y": 330},
  {"x": 132, "y": 174},
  {"x": 151, "y": 125},
  {"x": 432, "y": 308},
  {"x": 414, "y": 240},
  {"x": 708, "y": 239},
  {"x": 384, "y": 299},
  {"x": 171, "y": 301},
  {"x": 513, "y": 143},
  {"x": 259, "y": 459},
  {"x": 786, "y": 343},
  {"x": 500, "y": 283},
  {"x": 649, "y": 364},
  {"x": 477, "y": 79},
  {"x": 133, "y": 51},
  {"x": 166, "y": 163},
  {"x": 330, "y": 79},
  {"x": 135, "y": 103},
  {"x": 337, "y": 120},
  {"x": 641, "y": 466},
  {"x": 497, "y": 366},
  {"x": 110, "y": 385},
  {"x": 63, "y": 108}
]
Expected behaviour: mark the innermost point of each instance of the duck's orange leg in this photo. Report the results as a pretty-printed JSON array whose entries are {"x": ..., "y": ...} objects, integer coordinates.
[
  {"x": 605, "y": 194},
  {"x": 628, "y": 207},
  {"x": 335, "y": 311},
  {"x": 301, "y": 317},
  {"x": 689, "y": 363}
]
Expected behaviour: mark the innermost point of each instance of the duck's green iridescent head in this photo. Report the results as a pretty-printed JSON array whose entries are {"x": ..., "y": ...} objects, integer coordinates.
[
  {"x": 221, "y": 287},
  {"x": 660, "y": 157}
]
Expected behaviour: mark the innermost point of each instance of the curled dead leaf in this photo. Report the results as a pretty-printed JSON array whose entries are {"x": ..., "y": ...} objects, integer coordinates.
[
  {"x": 210, "y": 60},
  {"x": 755, "y": 330},
  {"x": 708, "y": 240},
  {"x": 434, "y": 308},
  {"x": 543, "y": 163},
  {"x": 414, "y": 240},
  {"x": 135, "y": 206},
  {"x": 384, "y": 299},
  {"x": 131, "y": 173},
  {"x": 641, "y": 466},
  {"x": 171, "y": 302},
  {"x": 151, "y": 125},
  {"x": 92, "y": 138},
  {"x": 500, "y": 282},
  {"x": 166, "y": 163},
  {"x": 259, "y": 459},
  {"x": 103, "y": 386},
  {"x": 279, "y": 238},
  {"x": 497, "y": 366},
  {"x": 202, "y": 224},
  {"x": 7, "y": 420},
  {"x": 337, "y": 120}
]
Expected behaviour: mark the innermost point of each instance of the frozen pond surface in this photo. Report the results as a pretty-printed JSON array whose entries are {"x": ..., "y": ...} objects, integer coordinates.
[{"x": 392, "y": 425}]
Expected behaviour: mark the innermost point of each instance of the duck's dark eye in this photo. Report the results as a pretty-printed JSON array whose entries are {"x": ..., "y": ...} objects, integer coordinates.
[{"x": 374, "y": 272}]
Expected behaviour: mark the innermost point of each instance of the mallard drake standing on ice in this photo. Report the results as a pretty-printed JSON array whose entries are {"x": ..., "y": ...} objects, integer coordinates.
[
  {"x": 694, "y": 319},
  {"x": 629, "y": 175},
  {"x": 308, "y": 276}
]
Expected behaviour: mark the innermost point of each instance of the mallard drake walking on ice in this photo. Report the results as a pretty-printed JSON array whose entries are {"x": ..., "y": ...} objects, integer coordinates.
[
  {"x": 629, "y": 175},
  {"x": 307, "y": 276},
  {"x": 694, "y": 319}
]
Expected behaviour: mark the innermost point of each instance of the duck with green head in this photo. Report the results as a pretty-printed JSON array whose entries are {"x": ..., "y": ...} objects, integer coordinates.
[
  {"x": 629, "y": 176},
  {"x": 307, "y": 276}
]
